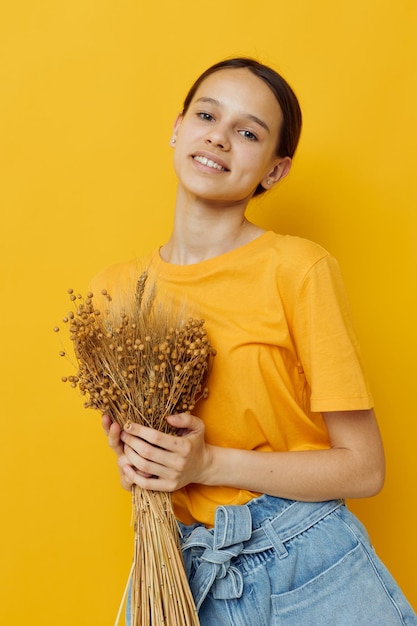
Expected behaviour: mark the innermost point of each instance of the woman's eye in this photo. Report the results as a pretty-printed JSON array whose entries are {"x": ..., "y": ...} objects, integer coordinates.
[
  {"x": 248, "y": 135},
  {"x": 205, "y": 116}
]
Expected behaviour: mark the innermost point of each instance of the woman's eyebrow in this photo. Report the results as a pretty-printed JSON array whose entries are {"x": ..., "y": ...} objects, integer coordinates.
[{"x": 248, "y": 116}]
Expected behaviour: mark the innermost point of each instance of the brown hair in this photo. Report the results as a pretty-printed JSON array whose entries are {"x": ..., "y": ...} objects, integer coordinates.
[{"x": 285, "y": 96}]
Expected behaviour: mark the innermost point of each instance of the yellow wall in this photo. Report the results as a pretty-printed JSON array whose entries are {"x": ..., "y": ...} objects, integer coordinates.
[{"x": 89, "y": 90}]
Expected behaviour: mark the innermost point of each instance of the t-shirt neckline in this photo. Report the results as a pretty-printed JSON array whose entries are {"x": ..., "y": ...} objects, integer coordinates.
[{"x": 242, "y": 250}]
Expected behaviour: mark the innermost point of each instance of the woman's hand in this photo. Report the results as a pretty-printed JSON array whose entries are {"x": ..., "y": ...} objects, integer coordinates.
[
  {"x": 113, "y": 432},
  {"x": 158, "y": 461}
]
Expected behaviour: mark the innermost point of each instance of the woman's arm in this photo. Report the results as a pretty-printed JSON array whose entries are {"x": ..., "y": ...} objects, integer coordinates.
[{"x": 353, "y": 467}]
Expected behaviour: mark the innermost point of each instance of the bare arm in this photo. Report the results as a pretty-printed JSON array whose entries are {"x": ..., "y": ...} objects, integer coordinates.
[{"x": 353, "y": 467}]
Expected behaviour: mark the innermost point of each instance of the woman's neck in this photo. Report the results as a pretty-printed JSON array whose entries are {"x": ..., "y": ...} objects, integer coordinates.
[{"x": 204, "y": 231}]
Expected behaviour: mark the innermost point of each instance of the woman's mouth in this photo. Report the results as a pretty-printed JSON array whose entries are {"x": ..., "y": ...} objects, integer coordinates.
[{"x": 209, "y": 163}]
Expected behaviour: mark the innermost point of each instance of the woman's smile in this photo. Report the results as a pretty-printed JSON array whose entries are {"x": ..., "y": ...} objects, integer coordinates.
[{"x": 210, "y": 163}]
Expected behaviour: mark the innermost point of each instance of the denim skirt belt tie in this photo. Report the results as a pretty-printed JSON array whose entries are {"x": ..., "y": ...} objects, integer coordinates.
[{"x": 233, "y": 535}]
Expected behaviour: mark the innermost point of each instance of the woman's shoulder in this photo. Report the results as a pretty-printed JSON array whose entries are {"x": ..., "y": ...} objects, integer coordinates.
[{"x": 296, "y": 251}]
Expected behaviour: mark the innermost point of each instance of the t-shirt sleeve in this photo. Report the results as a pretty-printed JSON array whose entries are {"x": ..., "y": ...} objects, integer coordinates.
[
  {"x": 119, "y": 281},
  {"x": 326, "y": 342}
]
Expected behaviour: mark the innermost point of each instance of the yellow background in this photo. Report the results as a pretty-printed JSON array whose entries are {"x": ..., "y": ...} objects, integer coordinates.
[{"x": 89, "y": 91}]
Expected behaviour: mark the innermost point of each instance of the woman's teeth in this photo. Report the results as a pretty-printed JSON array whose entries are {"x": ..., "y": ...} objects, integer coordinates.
[{"x": 209, "y": 163}]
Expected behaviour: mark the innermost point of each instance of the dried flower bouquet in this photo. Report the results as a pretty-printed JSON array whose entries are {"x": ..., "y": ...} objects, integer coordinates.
[{"x": 141, "y": 364}]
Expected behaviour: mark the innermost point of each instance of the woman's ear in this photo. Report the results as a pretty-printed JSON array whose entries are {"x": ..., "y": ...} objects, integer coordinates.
[
  {"x": 177, "y": 124},
  {"x": 280, "y": 171}
]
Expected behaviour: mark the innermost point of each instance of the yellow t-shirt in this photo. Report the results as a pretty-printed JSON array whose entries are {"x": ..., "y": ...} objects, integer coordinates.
[{"x": 277, "y": 315}]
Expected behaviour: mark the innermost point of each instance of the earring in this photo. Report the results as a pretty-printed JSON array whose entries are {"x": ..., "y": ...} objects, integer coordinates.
[
  {"x": 173, "y": 141},
  {"x": 268, "y": 181}
]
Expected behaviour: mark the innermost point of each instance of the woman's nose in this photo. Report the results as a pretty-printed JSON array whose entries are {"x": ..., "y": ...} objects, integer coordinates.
[{"x": 218, "y": 137}]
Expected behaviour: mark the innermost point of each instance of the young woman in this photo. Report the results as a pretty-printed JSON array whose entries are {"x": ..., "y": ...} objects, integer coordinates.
[{"x": 288, "y": 432}]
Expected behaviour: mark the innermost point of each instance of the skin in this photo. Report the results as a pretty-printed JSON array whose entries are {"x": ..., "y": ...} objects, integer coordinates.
[{"x": 234, "y": 120}]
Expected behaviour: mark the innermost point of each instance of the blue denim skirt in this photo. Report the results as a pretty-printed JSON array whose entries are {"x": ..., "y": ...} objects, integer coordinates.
[{"x": 277, "y": 562}]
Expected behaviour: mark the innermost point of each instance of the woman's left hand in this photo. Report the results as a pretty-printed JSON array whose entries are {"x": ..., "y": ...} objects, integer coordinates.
[{"x": 163, "y": 462}]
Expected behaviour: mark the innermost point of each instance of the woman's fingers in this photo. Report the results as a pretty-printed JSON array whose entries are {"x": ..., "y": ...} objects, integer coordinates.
[
  {"x": 112, "y": 431},
  {"x": 106, "y": 423}
]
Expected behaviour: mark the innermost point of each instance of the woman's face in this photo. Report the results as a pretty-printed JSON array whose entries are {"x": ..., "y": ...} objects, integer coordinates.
[{"x": 226, "y": 141}]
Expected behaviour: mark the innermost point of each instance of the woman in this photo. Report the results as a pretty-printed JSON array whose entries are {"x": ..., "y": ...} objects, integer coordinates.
[{"x": 288, "y": 432}]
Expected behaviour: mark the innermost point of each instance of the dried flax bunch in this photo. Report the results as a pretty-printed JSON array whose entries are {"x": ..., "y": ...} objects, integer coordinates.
[{"x": 141, "y": 364}]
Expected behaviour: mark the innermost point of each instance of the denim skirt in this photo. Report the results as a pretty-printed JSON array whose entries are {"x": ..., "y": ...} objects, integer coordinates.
[{"x": 278, "y": 562}]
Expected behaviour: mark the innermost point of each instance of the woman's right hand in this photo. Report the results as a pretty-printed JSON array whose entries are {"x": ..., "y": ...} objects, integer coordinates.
[{"x": 113, "y": 431}]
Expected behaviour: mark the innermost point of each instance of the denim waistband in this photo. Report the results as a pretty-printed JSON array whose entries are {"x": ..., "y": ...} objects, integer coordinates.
[{"x": 265, "y": 522}]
